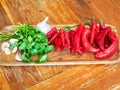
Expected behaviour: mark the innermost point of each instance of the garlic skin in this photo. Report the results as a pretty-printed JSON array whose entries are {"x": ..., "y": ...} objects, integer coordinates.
[
  {"x": 5, "y": 45},
  {"x": 43, "y": 26},
  {"x": 14, "y": 50},
  {"x": 7, "y": 51},
  {"x": 18, "y": 56}
]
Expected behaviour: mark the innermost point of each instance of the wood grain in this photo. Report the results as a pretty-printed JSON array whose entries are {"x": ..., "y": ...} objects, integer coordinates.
[
  {"x": 83, "y": 77},
  {"x": 3, "y": 82}
]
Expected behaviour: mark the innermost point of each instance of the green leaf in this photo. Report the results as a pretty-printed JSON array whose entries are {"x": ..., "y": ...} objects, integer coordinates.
[
  {"x": 33, "y": 43},
  {"x": 39, "y": 35},
  {"x": 30, "y": 39},
  {"x": 42, "y": 49},
  {"x": 34, "y": 51},
  {"x": 42, "y": 59},
  {"x": 22, "y": 46},
  {"x": 32, "y": 32},
  {"x": 26, "y": 57},
  {"x": 37, "y": 40},
  {"x": 37, "y": 45},
  {"x": 21, "y": 37},
  {"x": 49, "y": 48},
  {"x": 29, "y": 46}
]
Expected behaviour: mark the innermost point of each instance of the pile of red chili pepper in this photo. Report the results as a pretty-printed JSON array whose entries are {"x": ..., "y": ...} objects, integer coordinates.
[{"x": 98, "y": 39}]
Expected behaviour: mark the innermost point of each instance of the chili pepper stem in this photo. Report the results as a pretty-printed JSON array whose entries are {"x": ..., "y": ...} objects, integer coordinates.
[{"x": 101, "y": 21}]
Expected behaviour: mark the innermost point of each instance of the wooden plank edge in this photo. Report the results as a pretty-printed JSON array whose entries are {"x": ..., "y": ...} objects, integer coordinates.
[{"x": 58, "y": 63}]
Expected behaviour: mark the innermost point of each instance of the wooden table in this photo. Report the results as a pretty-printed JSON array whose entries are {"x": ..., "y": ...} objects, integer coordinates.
[{"x": 82, "y": 77}]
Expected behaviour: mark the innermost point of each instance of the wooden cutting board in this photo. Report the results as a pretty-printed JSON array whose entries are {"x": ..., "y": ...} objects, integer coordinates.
[{"x": 57, "y": 57}]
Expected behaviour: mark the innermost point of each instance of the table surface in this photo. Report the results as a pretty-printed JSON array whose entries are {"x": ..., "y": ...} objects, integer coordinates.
[{"x": 80, "y": 77}]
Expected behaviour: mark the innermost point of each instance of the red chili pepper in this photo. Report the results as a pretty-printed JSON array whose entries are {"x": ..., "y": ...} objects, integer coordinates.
[
  {"x": 86, "y": 32},
  {"x": 51, "y": 32},
  {"x": 61, "y": 48},
  {"x": 93, "y": 32},
  {"x": 101, "y": 25},
  {"x": 67, "y": 40},
  {"x": 62, "y": 36},
  {"x": 97, "y": 31},
  {"x": 107, "y": 42},
  {"x": 112, "y": 49},
  {"x": 72, "y": 34},
  {"x": 101, "y": 38},
  {"x": 77, "y": 39},
  {"x": 53, "y": 38},
  {"x": 57, "y": 43}
]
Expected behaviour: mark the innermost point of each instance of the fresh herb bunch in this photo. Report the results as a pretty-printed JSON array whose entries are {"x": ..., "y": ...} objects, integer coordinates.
[{"x": 30, "y": 41}]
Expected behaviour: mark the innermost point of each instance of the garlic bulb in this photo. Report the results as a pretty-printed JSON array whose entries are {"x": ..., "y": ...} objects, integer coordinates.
[
  {"x": 43, "y": 26},
  {"x": 5, "y": 45},
  {"x": 7, "y": 51},
  {"x": 18, "y": 56}
]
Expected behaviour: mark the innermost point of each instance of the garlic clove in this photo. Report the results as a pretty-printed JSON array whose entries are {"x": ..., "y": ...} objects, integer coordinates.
[
  {"x": 7, "y": 51},
  {"x": 5, "y": 45},
  {"x": 14, "y": 50},
  {"x": 43, "y": 26},
  {"x": 18, "y": 56},
  {"x": 13, "y": 40}
]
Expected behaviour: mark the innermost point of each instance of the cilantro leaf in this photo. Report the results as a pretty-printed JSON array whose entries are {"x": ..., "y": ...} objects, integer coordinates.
[{"x": 41, "y": 59}]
